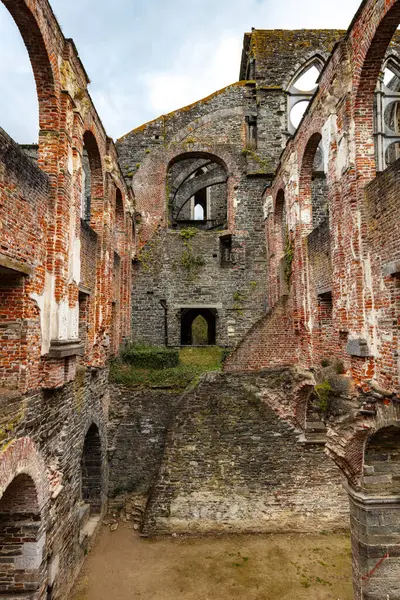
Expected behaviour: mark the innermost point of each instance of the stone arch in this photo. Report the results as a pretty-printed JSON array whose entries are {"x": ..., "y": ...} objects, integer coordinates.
[
  {"x": 381, "y": 464},
  {"x": 92, "y": 469},
  {"x": 92, "y": 167},
  {"x": 313, "y": 194},
  {"x": 314, "y": 59},
  {"x": 197, "y": 179},
  {"x": 119, "y": 221},
  {"x": 24, "y": 499},
  {"x": 280, "y": 240},
  {"x": 22, "y": 538},
  {"x": 188, "y": 317},
  {"x": 387, "y": 114},
  {"x": 42, "y": 65},
  {"x": 368, "y": 68},
  {"x": 280, "y": 223}
]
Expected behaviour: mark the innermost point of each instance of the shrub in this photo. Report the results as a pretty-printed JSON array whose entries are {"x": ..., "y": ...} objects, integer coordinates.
[
  {"x": 323, "y": 392},
  {"x": 151, "y": 357}
]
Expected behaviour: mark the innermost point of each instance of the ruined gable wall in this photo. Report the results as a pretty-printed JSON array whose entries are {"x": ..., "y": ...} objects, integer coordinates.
[{"x": 214, "y": 126}]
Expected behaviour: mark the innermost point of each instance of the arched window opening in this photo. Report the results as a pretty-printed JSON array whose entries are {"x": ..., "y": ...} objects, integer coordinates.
[
  {"x": 313, "y": 184},
  {"x": 119, "y": 219},
  {"x": 320, "y": 206},
  {"x": 22, "y": 540},
  {"x": 301, "y": 90},
  {"x": 86, "y": 188},
  {"x": 19, "y": 101},
  {"x": 92, "y": 176},
  {"x": 197, "y": 192},
  {"x": 198, "y": 326},
  {"x": 91, "y": 470},
  {"x": 13, "y": 329},
  {"x": 387, "y": 115},
  {"x": 381, "y": 470},
  {"x": 281, "y": 234}
]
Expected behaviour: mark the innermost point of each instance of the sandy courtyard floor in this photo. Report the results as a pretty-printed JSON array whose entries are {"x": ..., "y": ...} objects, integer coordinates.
[{"x": 122, "y": 566}]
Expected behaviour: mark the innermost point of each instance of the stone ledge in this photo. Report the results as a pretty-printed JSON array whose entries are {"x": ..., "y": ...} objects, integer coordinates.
[
  {"x": 65, "y": 348},
  {"x": 14, "y": 266},
  {"x": 392, "y": 268}
]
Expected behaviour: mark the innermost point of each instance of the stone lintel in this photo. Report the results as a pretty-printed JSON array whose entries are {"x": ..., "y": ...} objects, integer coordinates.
[
  {"x": 11, "y": 266},
  {"x": 65, "y": 348},
  {"x": 392, "y": 268},
  {"x": 85, "y": 290},
  {"x": 323, "y": 292}
]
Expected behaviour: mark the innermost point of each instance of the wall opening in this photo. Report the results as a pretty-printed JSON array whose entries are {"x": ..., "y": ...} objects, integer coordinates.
[
  {"x": 325, "y": 321},
  {"x": 387, "y": 115},
  {"x": 83, "y": 300},
  {"x": 119, "y": 223},
  {"x": 313, "y": 185},
  {"x": 301, "y": 90},
  {"x": 281, "y": 234},
  {"x": 381, "y": 470},
  {"x": 91, "y": 470},
  {"x": 198, "y": 326},
  {"x": 12, "y": 328},
  {"x": 197, "y": 192},
  {"x": 225, "y": 242},
  {"x": 92, "y": 178},
  {"x": 22, "y": 540}
]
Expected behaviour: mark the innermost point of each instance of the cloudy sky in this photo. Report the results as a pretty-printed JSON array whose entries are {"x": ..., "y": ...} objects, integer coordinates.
[{"x": 148, "y": 57}]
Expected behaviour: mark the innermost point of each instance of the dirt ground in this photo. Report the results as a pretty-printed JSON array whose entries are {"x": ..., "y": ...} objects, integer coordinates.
[{"x": 122, "y": 566}]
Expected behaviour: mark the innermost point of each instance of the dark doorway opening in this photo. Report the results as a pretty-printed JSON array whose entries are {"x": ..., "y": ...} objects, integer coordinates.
[
  {"x": 22, "y": 540},
  {"x": 198, "y": 326},
  {"x": 91, "y": 470}
]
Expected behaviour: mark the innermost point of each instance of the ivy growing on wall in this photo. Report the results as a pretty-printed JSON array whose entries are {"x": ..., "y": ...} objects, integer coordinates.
[{"x": 190, "y": 261}]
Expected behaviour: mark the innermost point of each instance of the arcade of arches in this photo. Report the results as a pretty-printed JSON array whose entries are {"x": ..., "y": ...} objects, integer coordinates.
[{"x": 263, "y": 219}]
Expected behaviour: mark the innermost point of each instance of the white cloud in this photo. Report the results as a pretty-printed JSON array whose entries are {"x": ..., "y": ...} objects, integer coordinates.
[
  {"x": 187, "y": 81},
  {"x": 145, "y": 59}
]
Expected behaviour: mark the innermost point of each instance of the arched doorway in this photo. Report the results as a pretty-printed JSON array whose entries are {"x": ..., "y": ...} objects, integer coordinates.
[
  {"x": 22, "y": 540},
  {"x": 198, "y": 326},
  {"x": 381, "y": 471},
  {"x": 91, "y": 470}
]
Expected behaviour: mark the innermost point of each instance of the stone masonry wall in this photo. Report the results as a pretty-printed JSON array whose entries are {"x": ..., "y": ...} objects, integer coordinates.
[
  {"x": 232, "y": 464},
  {"x": 56, "y": 422},
  {"x": 236, "y": 292},
  {"x": 137, "y": 429}
]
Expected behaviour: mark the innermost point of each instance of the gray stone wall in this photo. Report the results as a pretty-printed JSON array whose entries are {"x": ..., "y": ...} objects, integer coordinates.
[
  {"x": 57, "y": 422},
  {"x": 237, "y": 291},
  {"x": 138, "y": 425},
  {"x": 232, "y": 464}
]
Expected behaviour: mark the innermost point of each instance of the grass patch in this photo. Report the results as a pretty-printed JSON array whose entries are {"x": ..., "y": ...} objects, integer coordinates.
[
  {"x": 209, "y": 357},
  {"x": 193, "y": 362}
]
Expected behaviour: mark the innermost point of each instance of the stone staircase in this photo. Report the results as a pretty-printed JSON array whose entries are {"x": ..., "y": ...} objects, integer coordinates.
[{"x": 315, "y": 432}]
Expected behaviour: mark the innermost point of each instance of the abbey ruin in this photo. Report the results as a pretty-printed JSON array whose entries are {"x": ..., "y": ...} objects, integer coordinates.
[{"x": 270, "y": 210}]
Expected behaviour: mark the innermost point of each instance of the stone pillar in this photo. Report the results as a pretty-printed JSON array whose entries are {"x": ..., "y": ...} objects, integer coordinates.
[{"x": 375, "y": 535}]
